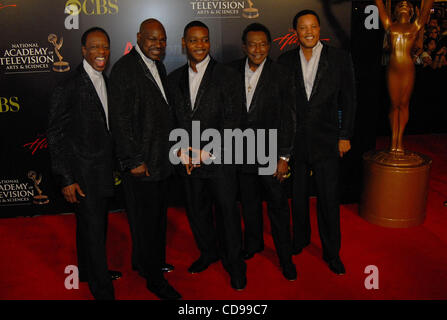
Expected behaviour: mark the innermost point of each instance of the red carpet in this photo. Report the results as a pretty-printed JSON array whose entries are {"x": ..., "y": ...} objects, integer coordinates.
[{"x": 412, "y": 262}]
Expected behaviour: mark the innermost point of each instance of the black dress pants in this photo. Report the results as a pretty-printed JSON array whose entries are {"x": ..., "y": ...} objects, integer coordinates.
[
  {"x": 129, "y": 193},
  {"x": 326, "y": 174},
  {"x": 201, "y": 194},
  {"x": 251, "y": 185},
  {"x": 131, "y": 211},
  {"x": 147, "y": 214},
  {"x": 91, "y": 230}
]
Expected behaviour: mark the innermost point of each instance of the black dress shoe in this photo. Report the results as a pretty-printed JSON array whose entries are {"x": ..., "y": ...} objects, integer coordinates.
[
  {"x": 201, "y": 264},
  {"x": 336, "y": 266},
  {"x": 163, "y": 290},
  {"x": 238, "y": 282},
  {"x": 115, "y": 275},
  {"x": 289, "y": 272},
  {"x": 167, "y": 267}
]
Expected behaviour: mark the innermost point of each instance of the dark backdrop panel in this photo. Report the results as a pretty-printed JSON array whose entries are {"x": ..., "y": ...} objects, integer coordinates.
[{"x": 26, "y": 85}]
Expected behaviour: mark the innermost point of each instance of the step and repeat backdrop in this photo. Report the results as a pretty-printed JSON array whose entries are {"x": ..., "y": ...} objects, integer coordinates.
[{"x": 40, "y": 46}]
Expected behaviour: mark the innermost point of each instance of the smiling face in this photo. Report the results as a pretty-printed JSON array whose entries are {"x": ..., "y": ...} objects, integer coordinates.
[
  {"x": 96, "y": 50},
  {"x": 308, "y": 31},
  {"x": 197, "y": 44},
  {"x": 256, "y": 48},
  {"x": 152, "y": 40}
]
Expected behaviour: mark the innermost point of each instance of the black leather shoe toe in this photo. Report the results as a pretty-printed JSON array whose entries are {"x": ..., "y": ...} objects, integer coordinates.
[
  {"x": 239, "y": 283},
  {"x": 336, "y": 266},
  {"x": 201, "y": 264},
  {"x": 289, "y": 272},
  {"x": 167, "y": 267},
  {"x": 115, "y": 275},
  {"x": 163, "y": 290}
]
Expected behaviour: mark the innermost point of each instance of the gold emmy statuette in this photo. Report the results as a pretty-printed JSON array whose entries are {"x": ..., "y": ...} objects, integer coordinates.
[
  {"x": 250, "y": 13},
  {"x": 40, "y": 198},
  {"x": 59, "y": 66},
  {"x": 396, "y": 180}
]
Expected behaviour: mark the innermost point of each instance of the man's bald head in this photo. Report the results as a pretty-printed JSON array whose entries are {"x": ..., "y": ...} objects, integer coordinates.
[
  {"x": 152, "y": 39},
  {"x": 146, "y": 23}
]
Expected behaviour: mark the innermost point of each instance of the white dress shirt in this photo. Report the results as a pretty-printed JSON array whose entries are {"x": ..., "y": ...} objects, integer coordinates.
[
  {"x": 100, "y": 87},
  {"x": 153, "y": 69},
  {"x": 310, "y": 67},
  {"x": 195, "y": 78},
  {"x": 251, "y": 81}
]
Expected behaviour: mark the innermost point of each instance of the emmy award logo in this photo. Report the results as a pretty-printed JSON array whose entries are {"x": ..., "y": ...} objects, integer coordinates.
[
  {"x": 250, "y": 13},
  {"x": 59, "y": 66},
  {"x": 40, "y": 198}
]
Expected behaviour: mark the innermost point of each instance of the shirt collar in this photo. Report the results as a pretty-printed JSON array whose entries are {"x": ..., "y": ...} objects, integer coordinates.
[
  {"x": 143, "y": 56},
  {"x": 315, "y": 49},
  {"x": 247, "y": 66},
  {"x": 90, "y": 71},
  {"x": 201, "y": 65}
]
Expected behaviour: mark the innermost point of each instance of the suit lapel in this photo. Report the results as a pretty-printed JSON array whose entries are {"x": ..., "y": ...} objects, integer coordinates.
[
  {"x": 262, "y": 80},
  {"x": 322, "y": 67},
  {"x": 143, "y": 65},
  {"x": 106, "y": 80},
  {"x": 184, "y": 88},
  {"x": 241, "y": 69},
  {"x": 163, "y": 77},
  {"x": 204, "y": 84},
  {"x": 92, "y": 92},
  {"x": 148, "y": 73},
  {"x": 299, "y": 73}
]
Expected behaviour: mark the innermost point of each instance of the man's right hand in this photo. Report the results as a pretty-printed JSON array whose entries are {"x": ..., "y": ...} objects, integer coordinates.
[
  {"x": 140, "y": 171},
  {"x": 70, "y": 191},
  {"x": 186, "y": 160}
]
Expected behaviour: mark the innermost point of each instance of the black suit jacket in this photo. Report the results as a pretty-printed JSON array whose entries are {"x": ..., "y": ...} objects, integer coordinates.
[
  {"x": 80, "y": 144},
  {"x": 218, "y": 105},
  {"x": 272, "y": 105},
  {"x": 140, "y": 117},
  {"x": 318, "y": 127}
]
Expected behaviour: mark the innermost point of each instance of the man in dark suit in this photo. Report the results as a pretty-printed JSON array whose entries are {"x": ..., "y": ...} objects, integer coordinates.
[
  {"x": 78, "y": 112},
  {"x": 270, "y": 104},
  {"x": 203, "y": 90},
  {"x": 141, "y": 120},
  {"x": 325, "y": 87}
]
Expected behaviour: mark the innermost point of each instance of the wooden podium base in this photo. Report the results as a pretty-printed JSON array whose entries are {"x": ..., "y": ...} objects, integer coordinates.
[{"x": 395, "y": 188}]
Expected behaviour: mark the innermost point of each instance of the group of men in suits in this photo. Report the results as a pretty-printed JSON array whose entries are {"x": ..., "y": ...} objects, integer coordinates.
[{"x": 300, "y": 97}]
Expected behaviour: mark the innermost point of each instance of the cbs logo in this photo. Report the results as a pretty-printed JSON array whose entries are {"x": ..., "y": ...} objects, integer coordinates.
[
  {"x": 92, "y": 7},
  {"x": 9, "y": 104}
]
